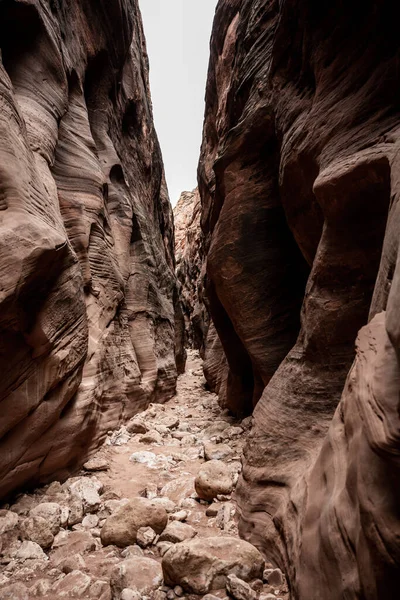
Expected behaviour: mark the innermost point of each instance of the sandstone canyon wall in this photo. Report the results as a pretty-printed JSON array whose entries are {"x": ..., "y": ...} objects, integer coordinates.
[
  {"x": 88, "y": 295},
  {"x": 300, "y": 185},
  {"x": 189, "y": 265}
]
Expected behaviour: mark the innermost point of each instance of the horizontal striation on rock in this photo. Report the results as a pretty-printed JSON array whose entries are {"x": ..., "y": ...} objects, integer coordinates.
[
  {"x": 298, "y": 175},
  {"x": 88, "y": 302}
]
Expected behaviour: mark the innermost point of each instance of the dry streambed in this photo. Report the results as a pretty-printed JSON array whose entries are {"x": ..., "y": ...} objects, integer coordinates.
[{"x": 151, "y": 516}]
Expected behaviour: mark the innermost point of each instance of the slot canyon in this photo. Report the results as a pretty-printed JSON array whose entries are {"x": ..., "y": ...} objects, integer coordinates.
[{"x": 200, "y": 402}]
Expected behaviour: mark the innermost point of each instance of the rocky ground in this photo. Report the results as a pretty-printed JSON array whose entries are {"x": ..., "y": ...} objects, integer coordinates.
[{"x": 151, "y": 516}]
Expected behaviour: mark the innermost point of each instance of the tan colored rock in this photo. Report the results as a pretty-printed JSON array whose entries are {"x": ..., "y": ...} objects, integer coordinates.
[
  {"x": 8, "y": 520},
  {"x": 216, "y": 451},
  {"x": 202, "y": 565},
  {"x": 30, "y": 551},
  {"x": 145, "y": 537},
  {"x": 50, "y": 512},
  {"x": 176, "y": 532},
  {"x": 239, "y": 589},
  {"x": 122, "y": 526},
  {"x": 74, "y": 585},
  {"x": 142, "y": 575},
  {"x": 37, "y": 529},
  {"x": 213, "y": 479}
]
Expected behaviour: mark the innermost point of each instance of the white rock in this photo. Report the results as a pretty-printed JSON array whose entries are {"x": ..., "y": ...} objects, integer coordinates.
[
  {"x": 88, "y": 491},
  {"x": 145, "y": 537},
  {"x": 30, "y": 551},
  {"x": 239, "y": 589},
  {"x": 90, "y": 521}
]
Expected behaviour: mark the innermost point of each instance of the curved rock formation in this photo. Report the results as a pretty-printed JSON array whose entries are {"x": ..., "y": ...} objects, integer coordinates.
[
  {"x": 87, "y": 292},
  {"x": 297, "y": 174},
  {"x": 189, "y": 266}
]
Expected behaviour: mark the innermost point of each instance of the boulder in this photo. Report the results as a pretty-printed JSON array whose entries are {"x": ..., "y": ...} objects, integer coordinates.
[
  {"x": 50, "y": 512},
  {"x": 88, "y": 491},
  {"x": 213, "y": 479},
  {"x": 176, "y": 532},
  {"x": 239, "y": 589},
  {"x": 145, "y": 537},
  {"x": 202, "y": 565},
  {"x": 143, "y": 575},
  {"x": 97, "y": 463},
  {"x": 74, "y": 585},
  {"x": 122, "y": 526},
  {"x": 15, "y": 591},
  {"x": 38, "y": 530},
  {"x": 30, "y": 551},
  {"x": 216, "y": 451}
]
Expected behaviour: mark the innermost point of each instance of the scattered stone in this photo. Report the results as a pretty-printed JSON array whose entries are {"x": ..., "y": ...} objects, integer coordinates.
[
  {"x": 100, "y": 590},
  {"x": 137, "y": 425},
  {"x": 88, "y": 490},
  {"x": 239, "y": 589},
  {"x": 149, "y": 459},
  {"x": 128, "y": 594},
  {"x": 224, "y": 515},
  {"x": 164, "y": 547},
  {"x": 74, "y": 585},
  {"x": 132, "y": 551},
  {"x": 98, "y": 463},
  {"x": 75, "y": 506},
  {"x": 8, "y": 520},
  {"x": 177, "y": 532},
  {"x": 40, "y": 588},
  {"x": 181, "y": 515},
  {"x": 202, "y": 564},
  {"x": 145, "y": 537},
  {"x": 213, "y": 479},
  {"x": 38, "y": 530},
  {"x": 210, "y": 597},
  {"x": 151, "y": 437},
  {"x": 213, "y": 509},
  {"x": 122, "y": 526},
  {"x": 90, "y": 521},
  {"x": 143, "y": 575},
  {"x": 216, "y": 451},
  {"x": 50, "y": 512},
  {"x": 30, "y": 551},
  {"x": 165, "y": 503},
  {"x": 15, "y": 591},
  {"x": 171, "y": 422},
  {"x": 274, "y": 577},
  {"x": 178, "y": 591},
  {"x": 72, "y": 563}
]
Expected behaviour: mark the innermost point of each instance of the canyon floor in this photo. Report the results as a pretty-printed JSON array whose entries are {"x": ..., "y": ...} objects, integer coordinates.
[{"x": 52, "y": 540}]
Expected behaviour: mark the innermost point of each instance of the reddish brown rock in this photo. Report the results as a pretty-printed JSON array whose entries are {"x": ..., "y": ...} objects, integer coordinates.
[
  {"x": 88, "y": 292},
  {"x": 189, "y": 267},
  {"x": 298, "y": 170}
]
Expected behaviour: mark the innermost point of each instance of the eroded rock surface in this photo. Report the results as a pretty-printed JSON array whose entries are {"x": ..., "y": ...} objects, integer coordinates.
[
  {"x": 88, "y": 302},
  {"x": 299, "y": 172},
  {"x": 189, "y": 267}
]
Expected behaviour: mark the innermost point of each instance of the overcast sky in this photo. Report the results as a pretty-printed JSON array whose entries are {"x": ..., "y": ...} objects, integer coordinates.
[{"x": 178, "y": 35}]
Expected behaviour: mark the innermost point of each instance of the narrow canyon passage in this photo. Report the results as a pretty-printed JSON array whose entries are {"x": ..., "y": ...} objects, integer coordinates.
[{"x": 161, "y": 461}]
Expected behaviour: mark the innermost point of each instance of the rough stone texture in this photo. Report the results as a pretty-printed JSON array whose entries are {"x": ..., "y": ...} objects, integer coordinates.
[
  {"x": 298, "y": 173},
  {"x": 202, "y": 565},
  {"x": 87, "y": 318},
  {"x": 189, "y": 267}
]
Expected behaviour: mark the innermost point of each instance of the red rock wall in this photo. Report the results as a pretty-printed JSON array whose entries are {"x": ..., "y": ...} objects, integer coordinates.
[
  {"x": 298, "y": 173},
  {"x": 87, "y": 285},
  {"x": 189, "y": 266}
]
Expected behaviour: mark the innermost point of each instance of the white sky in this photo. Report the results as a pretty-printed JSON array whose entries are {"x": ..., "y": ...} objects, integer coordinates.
[{"x": 178, "y": 35}]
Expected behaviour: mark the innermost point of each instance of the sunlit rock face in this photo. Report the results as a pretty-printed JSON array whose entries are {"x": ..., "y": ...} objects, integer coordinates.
[
  {"x": 87, "y": 285},
  {"x": 299, "y": 178},
  {"x": 189, "y": 266}
]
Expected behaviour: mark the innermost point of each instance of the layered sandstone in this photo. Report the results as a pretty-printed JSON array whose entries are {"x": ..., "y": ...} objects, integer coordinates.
[
  {"x": 87, "y": 315},
  {"x": 298, "y": 174},
  {"x": 189, "y": 266}
]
